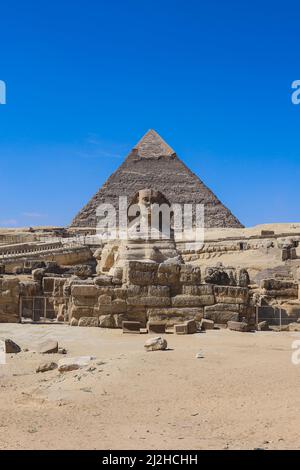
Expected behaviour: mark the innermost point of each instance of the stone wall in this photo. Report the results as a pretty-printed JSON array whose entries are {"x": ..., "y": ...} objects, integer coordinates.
[
  {"x": 162, "y": 294},
  {"x": 9, "y": 300},
  {"x": 63, "y": 256}
]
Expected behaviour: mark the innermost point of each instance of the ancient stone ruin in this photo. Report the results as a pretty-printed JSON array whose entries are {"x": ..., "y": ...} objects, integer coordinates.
[{"x": 240, "y": 278}]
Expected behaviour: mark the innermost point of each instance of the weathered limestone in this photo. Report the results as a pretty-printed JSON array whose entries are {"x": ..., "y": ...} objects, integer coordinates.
[
  {"x": 131, "y": 327},
  {"x": 74, "y": 363},
  {"x": 278, "y": 288},
  {"x": 46, "y": 366},
  {"x": 231, "y": 295},
  {"x": 187, "y": 328},
  {"x": 156, "y": 344},
  {"x": 88, "y": 321},
  {"x": 9, "y": 300},
  {"x": 207, "y": 324},
  {"x": 156, "y": 326},
  {"x": 222, "y": 313},
  {"x": 172, "y": 316},
  {"x": 141, "y": 273},
  {"x": 11, "y": 347},
  {"x": 238, "y": 326}
]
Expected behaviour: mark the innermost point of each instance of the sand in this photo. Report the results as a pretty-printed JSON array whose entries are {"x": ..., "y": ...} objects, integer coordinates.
[{"x": 243, "y": 394}]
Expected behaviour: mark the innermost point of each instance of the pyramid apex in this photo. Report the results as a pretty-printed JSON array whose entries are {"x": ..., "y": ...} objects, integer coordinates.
[{"x": 152, "y": 145}]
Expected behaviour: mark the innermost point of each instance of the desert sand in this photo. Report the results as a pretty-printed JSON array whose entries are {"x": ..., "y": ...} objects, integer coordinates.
[{"x": 242, "y": 394}]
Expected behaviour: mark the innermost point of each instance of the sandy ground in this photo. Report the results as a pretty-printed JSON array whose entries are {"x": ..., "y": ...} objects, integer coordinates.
[{"x": 244, "y": 392}]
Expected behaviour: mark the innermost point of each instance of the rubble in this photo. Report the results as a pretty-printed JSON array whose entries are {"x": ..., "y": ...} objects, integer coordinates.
[{"x": 156, "y": 344}]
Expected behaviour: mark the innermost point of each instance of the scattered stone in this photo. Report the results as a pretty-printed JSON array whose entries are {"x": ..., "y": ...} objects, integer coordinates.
[
  {"x": 88, "y": 321},
  {"x": 46, "y": 366},
  {"x": 207, "y": 324},
  {"x": 187, "y": 328},
  {"x": 238, "y": 326},
  {"x": 74, "y": 363},
  {"x": 156, "y": 344},
  {"x": 11, "y": 347},
  {"x": 156, "y": 326},
  {"x": 48, "y": 347},
  {"x": 199, "y": 355},
  {"x": 263, "y": 326},
  {"x": 131, "y": 327}
]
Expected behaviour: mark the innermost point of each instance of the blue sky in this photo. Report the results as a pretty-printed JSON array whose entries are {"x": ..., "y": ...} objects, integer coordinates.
[{"x": 86, "y": 79}]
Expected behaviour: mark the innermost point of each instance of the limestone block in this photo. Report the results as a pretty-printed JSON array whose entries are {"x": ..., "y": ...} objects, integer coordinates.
[
  {"x": 149, "y": 301},
  {"x": 141, "y": 273},
  {"x": 48, "y": 285},
  {"x": 134, "y": 291},
  {"x": 238, "y": 326},
  {"x": 120, "y": 293},
  {"x": 107, "y": 321},
  {"x": 155, "y": 344},
  {"x": 84, "y": 291},
  {"x": 74, "y": 363},
  {"x": 133, "y": 314},
  {"x": 279, "y": 288},
  {"x": 171, "y": 316},
  {"x": 84, "y": 301},
  {"x": 204, "y": 289},
  {"x": 192, "y": 300},
  {"x": 231, "y": 295},
  {"x": 159, "y": 291},
  {"x": 168, "y": 274},
  {"x": 88, "y": 321},
  {"x": 156, "y": 326},
  {"x": 190, "y": 275},
  {"x": 187, "y": 328},
  {"x": 117, "y": 306},
  {"x": 105, "y": 299},
  {"x": 207, "y": 324},
  {"x": 108, "y": 290},
  {"x": 222, "y": 313},
  {"x": 78, "y": 312},
  {"x": 131, "y": 327},
  {"x": 46, "y": 366},
  {"x": 11, "y": 347},
  {"x": 103, "y": 280}
]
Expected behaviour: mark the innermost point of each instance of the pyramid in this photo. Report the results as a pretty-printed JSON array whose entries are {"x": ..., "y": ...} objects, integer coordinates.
[{"x": 153, "y": 164}]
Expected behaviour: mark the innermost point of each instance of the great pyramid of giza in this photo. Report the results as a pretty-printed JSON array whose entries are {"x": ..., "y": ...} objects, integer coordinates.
[{"x": 153, "y": 164}]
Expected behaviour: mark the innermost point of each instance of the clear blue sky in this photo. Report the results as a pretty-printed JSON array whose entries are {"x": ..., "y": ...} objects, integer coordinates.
[{"x": 86, "y": 79}]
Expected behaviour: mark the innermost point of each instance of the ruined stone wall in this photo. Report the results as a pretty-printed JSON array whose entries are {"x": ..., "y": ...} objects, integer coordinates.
[
  {"x": 64, "y": 257},
  {"x": 9, "y": 300},
  {"x": 155, "y": 294}
]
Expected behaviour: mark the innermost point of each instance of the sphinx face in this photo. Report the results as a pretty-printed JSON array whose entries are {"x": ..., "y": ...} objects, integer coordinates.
[{"x": 146, "y": 198}]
